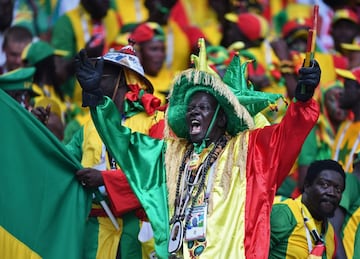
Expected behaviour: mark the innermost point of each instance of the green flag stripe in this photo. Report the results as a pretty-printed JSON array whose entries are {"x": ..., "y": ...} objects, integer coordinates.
[{"x": 42, "y": 203}]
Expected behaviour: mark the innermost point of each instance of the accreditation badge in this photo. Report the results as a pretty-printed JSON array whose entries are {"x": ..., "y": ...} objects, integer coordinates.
[{"x": 196, "y": 228}]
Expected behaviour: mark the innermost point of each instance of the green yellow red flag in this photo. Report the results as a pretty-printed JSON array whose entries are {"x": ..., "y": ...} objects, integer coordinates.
[{"x": 43, "y": 207}]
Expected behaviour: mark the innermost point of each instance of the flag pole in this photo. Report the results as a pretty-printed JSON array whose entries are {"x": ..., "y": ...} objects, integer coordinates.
[
  {"x": 106, "y": 208},
  {"x": 311, "y": 40}
]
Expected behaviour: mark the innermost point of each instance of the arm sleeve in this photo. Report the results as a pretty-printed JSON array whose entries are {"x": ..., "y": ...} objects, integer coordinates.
[
  {"x": 273, "y": 150},
  {"x": 282, "y": 224},
  {"x": 121, "y": 196}
]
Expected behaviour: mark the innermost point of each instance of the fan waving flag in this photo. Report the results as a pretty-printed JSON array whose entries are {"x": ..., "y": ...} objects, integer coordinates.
[{"x": 43, "y": 207}]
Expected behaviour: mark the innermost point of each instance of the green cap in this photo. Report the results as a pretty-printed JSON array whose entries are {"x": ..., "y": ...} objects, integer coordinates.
[
  {"x": 38, "y": 51},
  {"x": 18, "y": 79}
]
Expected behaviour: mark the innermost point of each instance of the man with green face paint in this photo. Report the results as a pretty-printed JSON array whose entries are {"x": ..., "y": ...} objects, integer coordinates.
[{"x": 213, "y": 178}]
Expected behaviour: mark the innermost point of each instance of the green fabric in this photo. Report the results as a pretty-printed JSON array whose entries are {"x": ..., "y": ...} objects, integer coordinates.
[
  {"x": 70, "y": 130},
  {"x": 42, "y": 204},
  {"x": 254, "y": 101},
  {"x": 146, "y": 176},
  {"x": 63, "y": 38},
  {"x": 309, "y": 150},
  {"x": 24, "y": 16},
  {"x": 287, "y": 187},
  {"x": 130, "y": 246},
  {"x": 351, "y": 193},
  {"x": 314, "y": 149},
  {"x": 132, "y": 108},
  {"x": 74, "y": 144},
  {"x": 352, "y": 211},
  {"x": 283, "y": 223},
  {"x": 357, "y": 244},
  {"x": 91, "y": 240}
]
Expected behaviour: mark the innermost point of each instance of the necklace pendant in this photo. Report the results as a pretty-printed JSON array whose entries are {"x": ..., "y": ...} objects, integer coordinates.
[
  {"x": 176, "y": 237},
  {"x": 194, "y": 161}
]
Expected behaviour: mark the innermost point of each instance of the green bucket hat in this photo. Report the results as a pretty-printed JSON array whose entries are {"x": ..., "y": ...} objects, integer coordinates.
[
  {"x": 18, "y": 79},
  {"x": 190, "y": 81}
]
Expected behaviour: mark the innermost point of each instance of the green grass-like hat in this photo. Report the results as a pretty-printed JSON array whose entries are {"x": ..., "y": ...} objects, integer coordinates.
[{"x": 190, "y": 81}]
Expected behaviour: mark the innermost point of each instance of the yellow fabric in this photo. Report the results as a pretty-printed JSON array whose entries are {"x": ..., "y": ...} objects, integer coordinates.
[
  {"x": 349, "y": 233},
  {"x": 260, "y": 120},
  {"x": 296, "y": 10},
  {"x": 133, "y": 78},
  {"x": 347, "y": 144},
  {"x": 11, "y": 247},
  {"x": 346, "y": 74},
  {"x": 83, "y": 117},
  {"x": 200, "y": 14},
  {"x": 180, "y": 47},
  {"x": 92, "y": 145},
  {"x": 109, "y": 238},
  {"x": 228, "y": 191},
  {"x": 77, "y": 16},
  {"x": 326, "y": 63},
  {"x": 132, "y": 11},
  {"x": 93, "y": 154},
  {"x": 298, "y": 241},
  {"x": 161, "y": 83}
]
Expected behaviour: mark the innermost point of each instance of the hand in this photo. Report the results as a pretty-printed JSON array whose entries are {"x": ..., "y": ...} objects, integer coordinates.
[
  {"x": 89, "y": 77},
  {"x": 309, "y": 78},
  {"x": 41, "y": 113},
  {"x": 89, "y": 177}
]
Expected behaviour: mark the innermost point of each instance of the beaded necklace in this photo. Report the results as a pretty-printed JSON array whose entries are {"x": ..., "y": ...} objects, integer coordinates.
[{"x": 191, "y": 175}]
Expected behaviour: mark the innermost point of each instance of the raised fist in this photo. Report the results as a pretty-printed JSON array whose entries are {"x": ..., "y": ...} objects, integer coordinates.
[
  {"x": 89, "y": 76},
  {"x": 309, "y": 78}
]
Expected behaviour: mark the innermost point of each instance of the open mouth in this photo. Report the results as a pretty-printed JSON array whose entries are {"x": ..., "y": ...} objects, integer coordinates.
[{"x": 195, "y": 127}]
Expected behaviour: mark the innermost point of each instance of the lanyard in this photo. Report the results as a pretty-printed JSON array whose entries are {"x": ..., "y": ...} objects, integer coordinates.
[
  {"x": 310, "y": 228},
  {"x": 210, "y": 182}
]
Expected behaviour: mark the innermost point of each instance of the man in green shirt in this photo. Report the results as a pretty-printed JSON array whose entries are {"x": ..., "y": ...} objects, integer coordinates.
[{"x": 300, "y": 227}]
